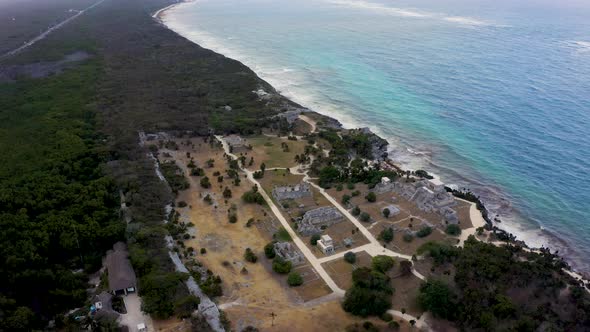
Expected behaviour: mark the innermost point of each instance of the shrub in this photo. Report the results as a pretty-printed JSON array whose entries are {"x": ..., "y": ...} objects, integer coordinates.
[
  {"x": 281, "y": 266},
  {"x": 350, "y": 186},
  {"x": 386, "y": 235},
  {"x": 405, "y": 267},
  {"x": 269, "y": 250},
  {"x": 283, "y": 235},
  {"x": 339, "y": 187},
  {"x": 356, "y": 211},
  {"x": 197, "y": 172},
  {"x": 294, "y": 279},
  {"x": 212, "y": 286},
  {"x": 205, "y": 182},
  {"x": 252, "y": 196},
  {"x": 249, "y": 222},
  {"x": 364, "y": 216},
  {"x": 203, "y": 251},
  {"x": 350, "y": 257},
  {"x": 408, "y": 237},
  {"x": 182, "y": 204},
  {"x": 345, "y": 199},
  {"x": 250, "y": 256},
  {"x": 453, "y": 230},
  {"x": 382, "y": 263},
  {"x": 208, "y": 199},
  {"x": 227, "y": 192},
  {"x": 314, "y": 239},
  {"x": 355, "y": 193},
  {"x": 386, "y": 317},
  {"x": 424, "y": 231},
  {"x": 185, "y": 306},
  {"x": 258, "y": 174},
  {"x": 393, "y": 325},
  {"x": 233, "y": 218},
  {"x": 371, "y": 197},
  {"x": 386, "y": 212}
]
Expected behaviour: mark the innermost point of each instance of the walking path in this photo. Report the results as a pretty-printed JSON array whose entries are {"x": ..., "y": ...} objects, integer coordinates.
[{"x": 373, "y": 248}]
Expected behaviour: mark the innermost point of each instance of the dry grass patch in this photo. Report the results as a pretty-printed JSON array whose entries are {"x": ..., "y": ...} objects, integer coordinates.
[{"x": 270, "y": 151}]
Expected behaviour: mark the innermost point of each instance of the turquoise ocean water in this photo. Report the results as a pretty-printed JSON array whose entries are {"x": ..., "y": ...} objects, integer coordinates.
[{"x": 489, "y": 95}]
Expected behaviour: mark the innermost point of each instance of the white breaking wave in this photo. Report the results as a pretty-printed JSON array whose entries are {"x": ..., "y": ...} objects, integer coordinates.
[
  {"x": 581, "y": 46},
  {"x": 470, "y": 21}
]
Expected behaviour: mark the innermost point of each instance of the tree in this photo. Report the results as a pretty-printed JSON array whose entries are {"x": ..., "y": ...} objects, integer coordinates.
[
  {"x": 408, "y": 237},
  {"x": 350, "y": 257},
  {"x": 210, "y": 163},
  {"x": 253, "y": 196},
  {"x": 386, "y": 212},
  {"x": 386, "y": 235},
  {"x": 269, "y": 250},
  {"x": 424, "y": 231},
  {"x": 405, "y": 267},
  {"x": 227, "y": 193},
  {"x": 250, "y": 256},
  {"x": 185, "y": 306},
  {"x": 436, "y": 297},
  {"x": 294, "y": 279},
  {"x": 371, "y": 197},
  {"x": 345, "y": 199},
  {"x": 356, "y": 211},
  {"x": 262, "y": 167},
  {"x": 314, "y": 239},
  {"x": 328, "y": 175},
  {"x": 205, "y": 182},
  {"x": 364, "y": 216},
  {"x": 364, "y": 301},
  {"x": 382, "y": 263},
  {"x": 279, "y": 265},
  {"x": 453, "y": 230}
]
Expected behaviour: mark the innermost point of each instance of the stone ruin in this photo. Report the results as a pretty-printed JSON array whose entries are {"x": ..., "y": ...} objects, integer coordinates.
[
  {"x": 235, "y": 141},
  {"x": 427, "y": 196},
  {"x": 393, "y": 210},
  {"x": 291, "y": 192},
  {"x": 386, "y": 185},
  {"x": 449, "y": 215},
  {"x": 289, "y": 253},
  {"x": 313, "y": 220}
]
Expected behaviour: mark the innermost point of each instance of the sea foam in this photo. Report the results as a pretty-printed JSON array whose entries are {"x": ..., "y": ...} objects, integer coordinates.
[{"x": 380, "y": 8}]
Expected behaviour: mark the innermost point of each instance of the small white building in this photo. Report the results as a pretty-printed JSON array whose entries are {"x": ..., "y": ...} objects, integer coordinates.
[
  {"x": 385, "y": 180},
  {"x": 326, "y": 245}
]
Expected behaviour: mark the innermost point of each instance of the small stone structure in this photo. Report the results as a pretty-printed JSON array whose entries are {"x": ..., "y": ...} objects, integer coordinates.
[
  {"x": 291, "y": 192},
  {"x": 386, "y": 185},
  {"x": 393, "y": 210},
  {"x": 313, "y": 220},
  {"x": 235, "y": 141},
  {"x": 326, "y": 244},
  {"x": 449, "y": 215},
  {"x": 289, "y": 253}
]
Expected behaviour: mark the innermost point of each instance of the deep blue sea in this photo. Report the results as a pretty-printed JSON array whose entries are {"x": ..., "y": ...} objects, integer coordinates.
[{"x": 492, "y": 95}]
